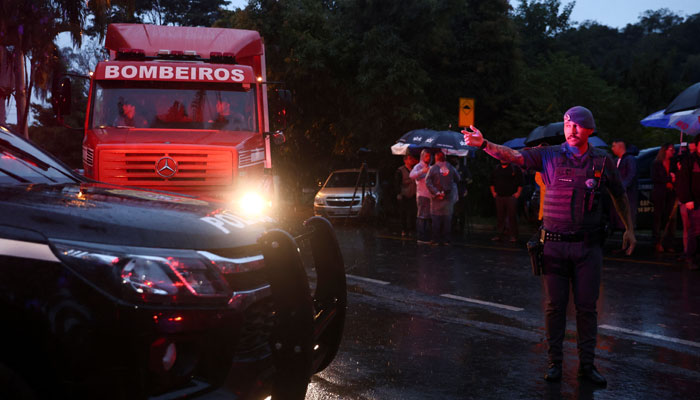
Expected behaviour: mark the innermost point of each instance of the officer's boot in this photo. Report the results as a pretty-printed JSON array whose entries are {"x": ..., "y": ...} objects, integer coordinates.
[
  {"x": 553, "y": 373},
  {"x": 591, "y": 374}
]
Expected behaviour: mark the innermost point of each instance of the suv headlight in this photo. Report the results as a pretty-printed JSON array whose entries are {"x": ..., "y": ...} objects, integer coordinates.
[
  {"x": 140, "y": 274},
  {"x": 319, "y": 201}
]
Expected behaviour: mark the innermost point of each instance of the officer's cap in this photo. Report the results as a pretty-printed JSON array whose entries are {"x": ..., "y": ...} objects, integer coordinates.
[{"x": 581, "y": 116}]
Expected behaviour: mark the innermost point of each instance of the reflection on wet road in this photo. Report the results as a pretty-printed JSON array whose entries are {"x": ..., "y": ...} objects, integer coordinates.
[{"x": 466, "y": 321}]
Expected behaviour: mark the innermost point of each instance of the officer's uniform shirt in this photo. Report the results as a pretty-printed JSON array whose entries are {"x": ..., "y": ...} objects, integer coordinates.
[{"x": 572, "y": 198}]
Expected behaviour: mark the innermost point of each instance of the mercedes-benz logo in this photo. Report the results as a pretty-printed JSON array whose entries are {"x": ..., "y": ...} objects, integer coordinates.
[{"x": 166, "y": 167}]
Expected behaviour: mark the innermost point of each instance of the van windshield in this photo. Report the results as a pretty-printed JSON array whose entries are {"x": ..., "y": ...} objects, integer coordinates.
[
  {"x": 173, "y": 105},
  {"x": 349, "y": 179}
]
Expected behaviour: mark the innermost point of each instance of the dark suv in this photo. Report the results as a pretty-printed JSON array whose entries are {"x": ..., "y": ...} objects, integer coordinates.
[{"x": 115, "y": 292}]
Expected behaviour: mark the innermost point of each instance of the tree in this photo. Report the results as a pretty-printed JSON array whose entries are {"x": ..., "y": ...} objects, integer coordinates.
[
  {"x": 540, "y": 22},
  {"x": 28, "y": 29}
]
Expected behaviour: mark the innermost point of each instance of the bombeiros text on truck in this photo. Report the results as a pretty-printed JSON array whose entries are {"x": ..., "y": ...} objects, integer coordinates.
[{"x": 182, "y": 109}]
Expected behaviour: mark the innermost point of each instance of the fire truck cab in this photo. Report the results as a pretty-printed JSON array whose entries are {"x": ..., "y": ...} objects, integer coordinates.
[{"x": 182, "y": 109}]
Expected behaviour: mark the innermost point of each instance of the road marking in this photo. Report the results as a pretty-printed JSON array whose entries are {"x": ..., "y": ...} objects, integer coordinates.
[
  {"x": 370, "y": 280},
  {"x": 485, "y": 303},
  {"x": 650, "y": 335}
]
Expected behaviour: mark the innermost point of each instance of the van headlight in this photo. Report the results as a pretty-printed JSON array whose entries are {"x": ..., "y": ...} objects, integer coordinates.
[
  {"x": 253, "y": 204},
  {"x": 319, "y": 201}
]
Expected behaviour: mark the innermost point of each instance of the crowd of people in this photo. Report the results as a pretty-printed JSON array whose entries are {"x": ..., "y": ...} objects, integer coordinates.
[
  {"x": 431, "y": 196},
  {"x": 676, "y": 188}
]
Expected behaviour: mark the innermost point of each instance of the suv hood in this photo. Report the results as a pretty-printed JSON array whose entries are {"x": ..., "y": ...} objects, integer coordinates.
[{"x": 116, "y": 215}]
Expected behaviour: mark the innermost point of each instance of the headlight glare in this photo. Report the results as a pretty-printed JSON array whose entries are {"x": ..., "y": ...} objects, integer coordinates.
[{"x": 253, "y": 204}]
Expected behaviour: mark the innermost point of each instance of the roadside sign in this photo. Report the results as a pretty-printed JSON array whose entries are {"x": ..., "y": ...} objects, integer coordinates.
[{"x": 466, "y": 111}]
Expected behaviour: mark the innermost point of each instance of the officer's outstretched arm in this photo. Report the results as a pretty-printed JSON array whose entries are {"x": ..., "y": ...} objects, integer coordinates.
[
  {"x": 474, "y": 137},
  {"x": 622, "y": 205}
]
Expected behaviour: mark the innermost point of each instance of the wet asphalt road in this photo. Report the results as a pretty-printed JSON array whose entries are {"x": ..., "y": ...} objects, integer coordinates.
[{"x": 466, "y": 322}]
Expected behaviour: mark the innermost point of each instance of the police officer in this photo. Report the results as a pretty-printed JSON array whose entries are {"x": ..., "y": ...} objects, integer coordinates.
[{"x": 574, "y": 175}]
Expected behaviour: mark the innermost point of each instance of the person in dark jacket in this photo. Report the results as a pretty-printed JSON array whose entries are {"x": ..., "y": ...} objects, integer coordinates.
[
  {"x": 506, "y": 187},
  {"x": 441, "y": 177},
  {"x": 406, "y": 194},
  {"x": 663, "y": 196},
  {"x": 688, "y": 189},
  {"x": 627, "y": 167}
]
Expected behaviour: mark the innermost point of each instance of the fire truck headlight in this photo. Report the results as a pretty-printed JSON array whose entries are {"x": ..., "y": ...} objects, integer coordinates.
[{"x": 253, "y": 204}]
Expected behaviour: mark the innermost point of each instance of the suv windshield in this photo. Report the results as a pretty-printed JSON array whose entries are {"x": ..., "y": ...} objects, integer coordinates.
[
  {"x": 21, "y": 162},
  {"x": 349, "y": 179},
  {"x": 173, "y": 105}
]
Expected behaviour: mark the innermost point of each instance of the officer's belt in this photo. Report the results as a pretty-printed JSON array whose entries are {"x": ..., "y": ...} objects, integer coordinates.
[{"x": 549, "y": 236}]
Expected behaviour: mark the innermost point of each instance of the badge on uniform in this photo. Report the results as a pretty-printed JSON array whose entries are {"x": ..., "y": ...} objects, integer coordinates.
[{"x": 591, "y": 183}]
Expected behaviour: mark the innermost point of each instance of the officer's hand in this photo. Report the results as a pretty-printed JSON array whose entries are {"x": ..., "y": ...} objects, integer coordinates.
[
  {"x": 629, "y": 242},
  {"x": 690, "y": 205},
  {"x": 472, "y": 136}
]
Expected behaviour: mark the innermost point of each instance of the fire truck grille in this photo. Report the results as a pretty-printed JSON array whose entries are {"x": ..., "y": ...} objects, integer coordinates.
[
  {"x": 194, "y": 167},
  {"x": 88, "y": 155}
]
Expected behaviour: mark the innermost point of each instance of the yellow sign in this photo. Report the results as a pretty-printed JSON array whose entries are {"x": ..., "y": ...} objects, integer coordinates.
[{"x": 466, "y": 111}]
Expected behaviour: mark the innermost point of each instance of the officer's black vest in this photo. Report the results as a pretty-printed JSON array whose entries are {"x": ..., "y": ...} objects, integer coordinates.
[{"x": 572, "y": 201}]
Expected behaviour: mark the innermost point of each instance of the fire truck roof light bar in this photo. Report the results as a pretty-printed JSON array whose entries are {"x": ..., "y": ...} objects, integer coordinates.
[{"x": 125, "y": 53}]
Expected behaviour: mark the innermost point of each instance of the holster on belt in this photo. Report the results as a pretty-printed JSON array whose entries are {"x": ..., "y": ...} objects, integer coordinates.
[{"x": 535, "y": 247}]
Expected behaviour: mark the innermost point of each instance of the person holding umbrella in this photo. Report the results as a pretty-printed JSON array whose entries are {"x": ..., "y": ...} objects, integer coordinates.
[
  {"x": 663, "y": 196},
  {"x": 688, "y": 186},
  {"x": 575, "y": 175},
  {"x": 419, "y": 173},
  {"x": 440, "y": 180}
]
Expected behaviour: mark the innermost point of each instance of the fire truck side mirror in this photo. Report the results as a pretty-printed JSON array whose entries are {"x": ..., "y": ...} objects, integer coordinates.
[
  {"x": 278, "y": 138},
  {"x": 61, "y": 97},
  {"x": 279, "y": 109}
]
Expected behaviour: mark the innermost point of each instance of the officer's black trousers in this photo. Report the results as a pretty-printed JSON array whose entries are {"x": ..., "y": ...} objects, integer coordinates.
[{"x": 577, "y": 266}]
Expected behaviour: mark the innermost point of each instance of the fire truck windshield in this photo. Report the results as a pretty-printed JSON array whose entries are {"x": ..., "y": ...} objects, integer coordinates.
[{"x": 173, "y": 105}]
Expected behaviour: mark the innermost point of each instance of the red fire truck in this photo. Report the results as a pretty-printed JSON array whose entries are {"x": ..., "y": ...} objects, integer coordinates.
[{"x": 182, "y": 109}]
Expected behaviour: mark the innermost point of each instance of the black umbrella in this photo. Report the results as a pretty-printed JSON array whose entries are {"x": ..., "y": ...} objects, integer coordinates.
[
  {"x": 689, "y": 99},
  {"x": 551, "y": 134},
  {"x": 450, "y": 141}
]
